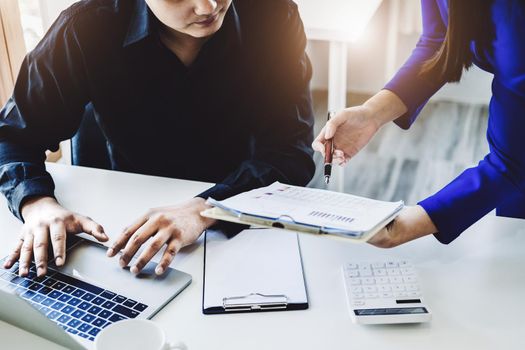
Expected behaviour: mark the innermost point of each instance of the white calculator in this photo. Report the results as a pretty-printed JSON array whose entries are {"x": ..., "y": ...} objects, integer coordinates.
[{"x": 384, "y": 292}]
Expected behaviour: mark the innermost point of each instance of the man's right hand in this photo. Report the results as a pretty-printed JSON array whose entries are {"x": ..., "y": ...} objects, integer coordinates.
[{"x": 47, "y": 220}]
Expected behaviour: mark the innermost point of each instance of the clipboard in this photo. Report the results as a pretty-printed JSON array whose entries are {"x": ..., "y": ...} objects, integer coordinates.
[{"x": 258, "y": 270}]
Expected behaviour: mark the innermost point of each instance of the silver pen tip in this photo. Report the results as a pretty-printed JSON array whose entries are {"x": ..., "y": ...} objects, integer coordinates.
[{"x": 327, "y": 179}]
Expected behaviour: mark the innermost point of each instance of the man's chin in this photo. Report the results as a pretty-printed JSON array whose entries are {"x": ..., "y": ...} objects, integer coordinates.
[{"x": 205, "y": 32}]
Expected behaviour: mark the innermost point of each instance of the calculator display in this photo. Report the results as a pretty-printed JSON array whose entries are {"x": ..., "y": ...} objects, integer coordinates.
[{"x": 391, "y": 311}]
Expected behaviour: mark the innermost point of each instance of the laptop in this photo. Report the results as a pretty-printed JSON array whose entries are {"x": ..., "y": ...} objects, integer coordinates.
[{"x": 71, "y": 305}]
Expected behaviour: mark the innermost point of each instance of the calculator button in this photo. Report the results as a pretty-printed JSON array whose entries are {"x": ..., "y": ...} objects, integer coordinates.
[
  {"x": 407, "y": 271},
  {"x": 412, "y": 288},
  {"x": 413, "y": 294},
  {"x": 350, "y": 266},
  {"x": 396, "y": 280},
  {"x": 357, "y": 296},
  {"x": 356, "y": 290},
  {"x": 364, "y": 267},
  {"x": 382, "y": 280},
  {"x": 355, "y": 281},
  {"x": 383, "y": 288},
  {"x": 404, "y": 264},
  {"x": 352, "y": 273},
  {"x": 372, "y": 295},
  {"x": 368, "y": 280},
  {"x": 386, "y": 295},
  {"x": 393, "y": 272},
  {"x": 398, "y": 288},
  {"x": 378, "y": 265},
  {"x": 365, "y": 273},
  {"x": 400, "y": 294},
  {"x": 370, "y": 289},
  {"x": 409, "y": 279},
  {"x": 380, "y": 272},
  {"x": 391, "y": 264}
]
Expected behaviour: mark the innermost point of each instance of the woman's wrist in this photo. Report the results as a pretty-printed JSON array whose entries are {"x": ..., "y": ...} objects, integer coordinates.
[
  {"x": 384, "y": 107},
  {"x": 412, "y": 223}
]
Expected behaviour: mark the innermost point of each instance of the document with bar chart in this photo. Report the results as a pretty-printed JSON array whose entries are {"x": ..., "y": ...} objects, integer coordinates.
[{"x": 308, "y": 210}]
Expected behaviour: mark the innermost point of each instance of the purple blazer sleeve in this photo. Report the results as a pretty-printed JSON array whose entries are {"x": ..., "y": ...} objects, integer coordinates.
[
  {"x": 498, "y": 181},
  {"x": 407, "y": 84}
]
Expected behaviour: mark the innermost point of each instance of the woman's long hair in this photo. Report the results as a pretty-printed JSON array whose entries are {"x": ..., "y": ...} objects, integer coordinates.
[{"x": 468, "y": 20}]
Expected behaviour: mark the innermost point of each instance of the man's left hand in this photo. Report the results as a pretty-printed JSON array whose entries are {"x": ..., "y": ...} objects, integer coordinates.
[{"x": 174, "y": 227}]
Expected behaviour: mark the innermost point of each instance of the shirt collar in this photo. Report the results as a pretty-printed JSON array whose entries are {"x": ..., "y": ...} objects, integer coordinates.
[{"x": 140, "y": 25}]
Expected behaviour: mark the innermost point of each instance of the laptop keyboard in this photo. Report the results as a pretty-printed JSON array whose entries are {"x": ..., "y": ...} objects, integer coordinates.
[{"x": 78, "y": 307}]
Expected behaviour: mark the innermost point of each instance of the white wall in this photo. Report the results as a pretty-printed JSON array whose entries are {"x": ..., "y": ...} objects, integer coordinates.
[
  {"x": 367, "y": 63},
  {"x": 51, "y": 9}
]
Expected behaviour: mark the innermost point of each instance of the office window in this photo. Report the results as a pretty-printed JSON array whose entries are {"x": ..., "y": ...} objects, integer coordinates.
[
  {"x": 31, "y": 18},
  {"x": 12, "y": 46},
  {"x": 21, "y": 28}
]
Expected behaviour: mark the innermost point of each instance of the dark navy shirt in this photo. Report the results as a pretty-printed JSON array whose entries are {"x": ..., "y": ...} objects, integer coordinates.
[
  {"x": 239, "y": 116},
  {"x": 498, "y": 181}
]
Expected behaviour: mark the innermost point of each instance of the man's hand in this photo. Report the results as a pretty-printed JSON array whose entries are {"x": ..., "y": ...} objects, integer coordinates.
[
  {"x": 173, "y": 227},
  {"x": 411, "y": 223},
  {"x": 45, "y": 219}
]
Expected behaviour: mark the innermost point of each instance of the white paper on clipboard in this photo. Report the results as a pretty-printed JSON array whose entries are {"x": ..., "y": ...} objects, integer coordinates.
[{"x": 257, "y": 270}]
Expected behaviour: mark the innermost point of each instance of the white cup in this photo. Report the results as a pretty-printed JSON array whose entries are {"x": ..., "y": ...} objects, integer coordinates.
[{"x": 135, "y": 335}]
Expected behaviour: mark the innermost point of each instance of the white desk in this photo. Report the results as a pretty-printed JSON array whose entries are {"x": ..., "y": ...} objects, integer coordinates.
[{"x": 475, "y": 286}]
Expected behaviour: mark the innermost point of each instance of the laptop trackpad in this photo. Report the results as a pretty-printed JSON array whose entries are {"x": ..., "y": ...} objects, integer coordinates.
[{"x": 88, "y": 262}]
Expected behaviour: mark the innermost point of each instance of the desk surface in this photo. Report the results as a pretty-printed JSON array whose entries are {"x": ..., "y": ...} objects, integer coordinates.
[{"x": 474, "y": 286}]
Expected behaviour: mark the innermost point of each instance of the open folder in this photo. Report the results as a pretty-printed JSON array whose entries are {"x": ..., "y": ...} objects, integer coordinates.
[
  {"x": 307, "y": 210},
  {"x": 256, "y": 270}
]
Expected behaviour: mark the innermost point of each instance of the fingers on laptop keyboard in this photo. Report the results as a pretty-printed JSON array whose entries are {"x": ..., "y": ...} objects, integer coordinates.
[
  {"x": 137, "y": 240},
  {"x": 123, "y": 238},
  {"x": 26, "y": 254},
  {"x": 57, "y": 230},
  {"x": 171, "y": 250},
  {"x": 15, "y": 254},
  {"x": 91, "y": 227},
  {"x": 40, "y": 243},
  {"x": 153, "y": 247}
]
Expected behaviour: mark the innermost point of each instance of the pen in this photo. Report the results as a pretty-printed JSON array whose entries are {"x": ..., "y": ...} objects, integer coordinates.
[{"x": 328, "y": 153}]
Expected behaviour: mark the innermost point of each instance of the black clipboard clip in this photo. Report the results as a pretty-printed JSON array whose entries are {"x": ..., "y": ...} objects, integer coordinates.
[{"x": 255, "y": 302}]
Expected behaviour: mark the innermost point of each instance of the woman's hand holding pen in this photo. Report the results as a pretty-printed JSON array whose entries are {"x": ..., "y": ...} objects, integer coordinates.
[{"x": 352, "y": 128}]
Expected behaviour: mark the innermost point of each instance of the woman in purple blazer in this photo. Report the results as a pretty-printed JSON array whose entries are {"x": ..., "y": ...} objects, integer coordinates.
[{"x": 456, "y": 34}]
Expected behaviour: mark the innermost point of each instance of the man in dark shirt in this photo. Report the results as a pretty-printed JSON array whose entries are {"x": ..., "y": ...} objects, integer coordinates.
[{"x": 206, "y": 90}]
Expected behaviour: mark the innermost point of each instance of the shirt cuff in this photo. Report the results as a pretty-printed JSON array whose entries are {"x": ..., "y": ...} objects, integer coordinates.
[
  {"x": 446, "y": 232},
  {"x": 218, "y": 192},
  {"x": 29, "y": 188},
  {"x": 221, "y": 192}
]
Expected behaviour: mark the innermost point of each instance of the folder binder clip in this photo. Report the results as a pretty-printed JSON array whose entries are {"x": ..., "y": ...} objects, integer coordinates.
[
  {"x": 255, "y": 301},
  {"x": 282, "y": 221}
]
